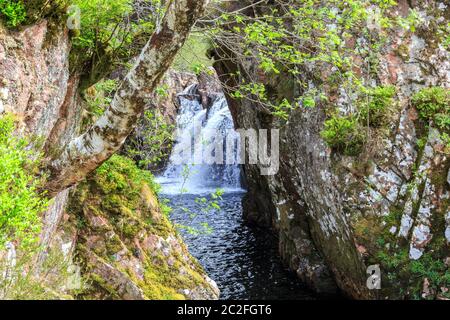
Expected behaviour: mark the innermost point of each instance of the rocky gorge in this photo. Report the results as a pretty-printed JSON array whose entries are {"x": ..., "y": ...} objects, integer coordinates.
[{"x": 374, "y": 196}]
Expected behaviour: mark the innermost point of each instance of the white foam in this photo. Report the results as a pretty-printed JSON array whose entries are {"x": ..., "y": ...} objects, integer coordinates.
[{"x": 185, "y": 174}]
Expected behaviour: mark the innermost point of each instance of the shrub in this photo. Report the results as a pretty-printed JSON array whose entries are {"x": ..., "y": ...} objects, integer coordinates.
[
  {"x": 375, "y": 110},
  {"x": 433, "y": 105},
  {"x": 347, "y": 134},
  {"x": 112, "y": 32},
  {"x": 20, "y": 202},
  {"x": 344, "y": 134},
  {"x": 97, "y": 98}
]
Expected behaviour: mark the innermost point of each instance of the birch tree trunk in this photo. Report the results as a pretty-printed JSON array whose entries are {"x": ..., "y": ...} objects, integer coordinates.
[{"x": 88, "y": 151}]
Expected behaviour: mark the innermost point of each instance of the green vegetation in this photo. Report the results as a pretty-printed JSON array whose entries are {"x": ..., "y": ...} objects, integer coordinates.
[
  {"x": 21, "y": 206},
  {"x": 128, "y": 196},
  {"x": 111, "y": 34},
  {"x": 99, "y": 96},
  {"x": 96, "y": 100},
  {"x": 434, "y": 270},
  {"x": 402, "y": 276},
  {"x": 374, "y": 111},
  {"x": 151, "y": 143},
  {"x": 193, "y": 57},
  {"x": 344, "y": 134},
  {"x": 20, "y": 202},
  {"x": 433, "y": 105},
  {"x": 13, "y": 11},
  {"x": 410, "y": 275},
  {"x": 55, "y": 278},
  {"x": 209, "y": 204},
  {"x": 348, "y": 134},
  {"x": 20, "y": 12},
  {"x": 289, "y": 38},
  {"x": 120, "y": 174},
  {"x": 289, "y": 57},
  {"x": 123, "y": 197}
]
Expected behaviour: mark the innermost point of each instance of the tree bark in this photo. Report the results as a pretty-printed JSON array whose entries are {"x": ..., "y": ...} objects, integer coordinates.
[{"x": 88, "y": 151}]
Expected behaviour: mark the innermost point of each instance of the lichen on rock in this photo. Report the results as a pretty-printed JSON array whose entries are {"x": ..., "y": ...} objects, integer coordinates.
[{"x": 365, "y": 178}]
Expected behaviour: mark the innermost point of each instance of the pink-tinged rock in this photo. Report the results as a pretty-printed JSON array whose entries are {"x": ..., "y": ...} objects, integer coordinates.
[
  {"x": 426, "y": 290},
  {"x": 151, "y": 243},
  {"x": 36, "y": 73}
]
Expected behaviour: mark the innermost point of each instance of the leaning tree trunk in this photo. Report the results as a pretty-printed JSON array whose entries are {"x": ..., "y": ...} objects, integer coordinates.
[{"x": 88, "y": 151}]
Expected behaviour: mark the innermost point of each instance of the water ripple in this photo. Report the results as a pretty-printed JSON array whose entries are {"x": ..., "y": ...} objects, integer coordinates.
[{"x": 243, "y": 261}]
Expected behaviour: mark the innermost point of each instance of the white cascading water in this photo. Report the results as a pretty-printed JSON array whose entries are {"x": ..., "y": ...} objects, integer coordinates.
[
  {"x": 243, "y": 261},
  {"x": 197, "y": 132}
]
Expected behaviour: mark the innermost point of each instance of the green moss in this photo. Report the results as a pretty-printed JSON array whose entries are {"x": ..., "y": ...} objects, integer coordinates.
[
  {"x": 13, "y": 12},
  {"x": 344, "y": 134},
  {"x": 402, "y": 277},
  {"x": 129, "y": 228},
  {"x": 433, "y": 105},
  {"x": 438, "y": 175},
  {"x": 409, "y": 275},
  {"x": 100, "y": 283},
  {"x": 403, "y": 51},
  {"x": 40, "y": 9},
  {"x": 122, "y": 174},
  {"x": 162, "y": 281},
  {"x": 160, "y": 284},
  {"x": 374, "y": 111},
  {"x": 19, "y": 12},
  {"x": 123, "y": 196},
  {"x": 114, "y": 245}
]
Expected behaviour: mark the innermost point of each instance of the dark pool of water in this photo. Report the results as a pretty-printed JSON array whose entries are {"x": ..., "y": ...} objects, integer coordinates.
[{"x": 243, "y": 261}]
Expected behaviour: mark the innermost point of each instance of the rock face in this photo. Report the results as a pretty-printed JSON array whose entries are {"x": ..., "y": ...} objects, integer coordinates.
[
  {"x": 336, "y": 215},
  {"x": 127, "y": 246},
  {"x": 36, "y": 86},
  {"x": 34, "y": 75},
  {"x": 173, "y": 83},
  {"x": 209, "y": 87}
]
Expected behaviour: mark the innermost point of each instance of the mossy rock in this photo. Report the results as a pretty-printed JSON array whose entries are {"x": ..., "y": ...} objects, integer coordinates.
[{"x": 117, "y": 208}]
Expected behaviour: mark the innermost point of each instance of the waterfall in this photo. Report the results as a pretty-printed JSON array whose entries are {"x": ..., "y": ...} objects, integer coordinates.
[{"x": 206, "y": 149}]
